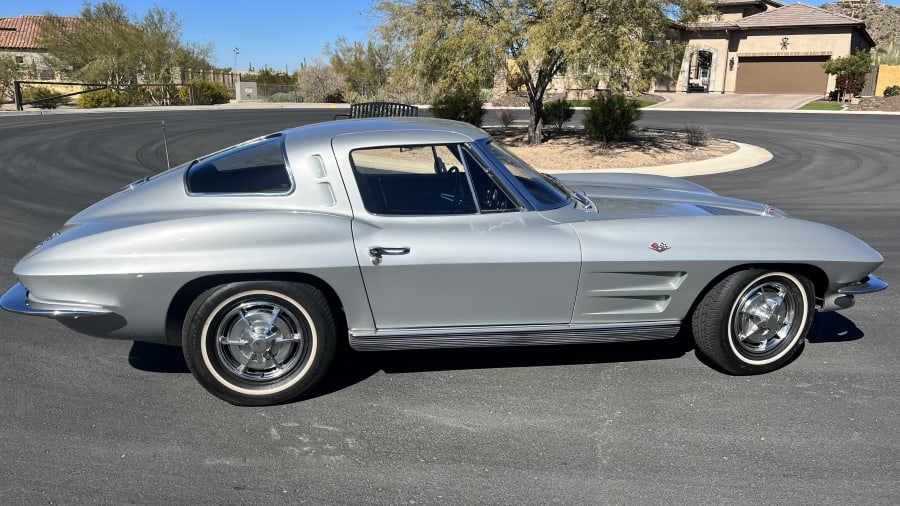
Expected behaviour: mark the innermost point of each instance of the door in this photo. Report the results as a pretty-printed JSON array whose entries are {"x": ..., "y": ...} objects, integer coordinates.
[
  {"x": 782, "y": 74},
  {"x": 441, "y": 243}
]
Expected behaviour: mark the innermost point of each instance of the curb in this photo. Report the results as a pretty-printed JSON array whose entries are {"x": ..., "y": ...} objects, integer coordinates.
[{"x": 746, "y": 156}]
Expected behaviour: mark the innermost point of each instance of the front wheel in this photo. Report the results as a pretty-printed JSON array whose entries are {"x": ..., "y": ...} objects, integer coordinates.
[
  {"x": 754, "y": 321},
  {"x": 259, "y": 343}
]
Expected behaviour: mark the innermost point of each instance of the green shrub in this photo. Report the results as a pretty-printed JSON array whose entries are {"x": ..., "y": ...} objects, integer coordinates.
[
  {"x": 558, "y": 113},
  {"x": 335, "y": 97},
  {"x": 39, "y": 93},
  {"x": 892, "y": 91},
  {"x": 461, "y": 104},
  {"x": 205, "y": 93},
  {"x": 610, "y": 118},
  {"x": 102, "y": 98}
]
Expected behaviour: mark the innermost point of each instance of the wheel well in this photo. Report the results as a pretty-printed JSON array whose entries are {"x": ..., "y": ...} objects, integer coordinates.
[
  {"x": 813, "y": 273},
  {"x": 183, "y": 299}
]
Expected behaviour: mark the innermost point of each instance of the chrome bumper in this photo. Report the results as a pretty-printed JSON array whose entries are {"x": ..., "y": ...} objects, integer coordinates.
[
  {"x": 16, "y": 300},
  {"x": 843, "y": 298},
  {"x": 869, "y": 285}
]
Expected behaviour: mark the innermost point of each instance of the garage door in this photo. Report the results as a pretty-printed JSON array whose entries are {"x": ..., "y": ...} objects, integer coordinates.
[{"x": 781, "y": 74}]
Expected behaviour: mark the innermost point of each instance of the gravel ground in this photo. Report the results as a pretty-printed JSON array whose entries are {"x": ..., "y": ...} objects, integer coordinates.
[
  {"x": 572, "y": 150},
  {"x": 885, "y": 104}
]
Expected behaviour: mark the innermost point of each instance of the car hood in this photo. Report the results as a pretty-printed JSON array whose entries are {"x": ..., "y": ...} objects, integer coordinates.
[{"x": 618, "y": 196}]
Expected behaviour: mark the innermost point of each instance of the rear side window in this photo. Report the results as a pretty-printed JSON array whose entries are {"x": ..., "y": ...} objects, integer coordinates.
[{"x": 257, "y": 167}]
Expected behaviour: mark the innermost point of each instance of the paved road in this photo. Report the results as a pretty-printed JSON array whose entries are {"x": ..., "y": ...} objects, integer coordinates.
[
  {"x": 84, "y": 420},
  {"x": 735, "y": 101}
]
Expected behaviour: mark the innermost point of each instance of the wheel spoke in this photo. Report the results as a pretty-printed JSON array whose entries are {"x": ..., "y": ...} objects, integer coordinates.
[
  {"x": 289, "y": 339},
  {"x": 243, "y": 365},
  {"x": 228, "y": 342},
  {"x": 275, "y": 316},
  {"x": 268, "y": 356},
  {"x": 243, "y": 314},
  {"x": 778, "y": 300}
]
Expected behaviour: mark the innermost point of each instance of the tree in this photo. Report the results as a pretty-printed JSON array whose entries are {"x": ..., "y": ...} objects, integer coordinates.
[
  {"x": 319, "y": 82},
  {"x": 9, "y": 72},
  {"x": 268, "y": 76},
  {"x": 446, "y": 39},
  {"x": 850, "y": 71},
  {"x": 105, "y": 44},
  {"x": 96, "y": 46},
  {"x": 364, "y": 68}
]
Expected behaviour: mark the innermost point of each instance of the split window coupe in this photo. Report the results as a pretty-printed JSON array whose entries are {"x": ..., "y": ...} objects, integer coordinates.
[{"x": 409, "y": 233}]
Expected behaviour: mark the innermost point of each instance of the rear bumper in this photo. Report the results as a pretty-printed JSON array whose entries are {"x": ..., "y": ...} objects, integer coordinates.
[{"x": 16, "y": 300}]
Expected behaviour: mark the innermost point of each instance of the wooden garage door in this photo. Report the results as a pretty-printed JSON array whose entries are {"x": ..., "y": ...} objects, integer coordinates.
[{"x": 782, "y": 74}]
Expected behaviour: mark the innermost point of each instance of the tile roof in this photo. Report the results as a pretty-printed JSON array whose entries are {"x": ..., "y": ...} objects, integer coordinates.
[
  {"x": 22, "y": 32},
  {"x": 746, "y": 2},
  {"x": 19, "y": 33},
  {"x": 794, "y": 15},
  {"x": 719, "y": 24},
  {"x": 798, "y": 14}
]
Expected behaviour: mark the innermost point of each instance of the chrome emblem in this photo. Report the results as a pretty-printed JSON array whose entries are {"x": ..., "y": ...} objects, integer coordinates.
[{"x": 659, "y": 247}]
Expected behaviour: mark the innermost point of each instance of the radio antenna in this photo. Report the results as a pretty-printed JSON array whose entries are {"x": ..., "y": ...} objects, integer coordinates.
[{"x": 166, "y": 144}]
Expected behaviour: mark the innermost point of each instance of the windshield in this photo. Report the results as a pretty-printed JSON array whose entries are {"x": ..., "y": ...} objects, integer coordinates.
[{"x": 544, "y": 195}]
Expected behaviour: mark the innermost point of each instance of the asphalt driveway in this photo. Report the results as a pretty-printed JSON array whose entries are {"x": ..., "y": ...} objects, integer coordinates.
[{"x": 729, "y": 101}]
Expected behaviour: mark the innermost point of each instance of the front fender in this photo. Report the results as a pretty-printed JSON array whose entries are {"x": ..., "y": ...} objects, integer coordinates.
[{"x": 646, "y": 269}]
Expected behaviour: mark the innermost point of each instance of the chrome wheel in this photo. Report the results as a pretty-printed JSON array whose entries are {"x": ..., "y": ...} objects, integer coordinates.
[
  {"x": 260, "y": 341},
  {"x": 255, "y": 343},
  {"x": 754, "y": 321},
  {"x": 765, "y": 316}
]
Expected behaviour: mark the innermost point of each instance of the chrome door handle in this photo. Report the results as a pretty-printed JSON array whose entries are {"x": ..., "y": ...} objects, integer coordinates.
[{"x": 376, "y": 252}]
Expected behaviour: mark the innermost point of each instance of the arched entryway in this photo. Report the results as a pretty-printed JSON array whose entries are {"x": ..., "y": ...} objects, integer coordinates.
[{"x": 700, "y": 71}]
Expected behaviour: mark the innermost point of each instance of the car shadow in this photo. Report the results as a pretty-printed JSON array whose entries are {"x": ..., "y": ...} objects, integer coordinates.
[
  {"x": 833, "y": 327},
  {"x": 157, "y": 357},
  {"x": 354, "y": 367}
]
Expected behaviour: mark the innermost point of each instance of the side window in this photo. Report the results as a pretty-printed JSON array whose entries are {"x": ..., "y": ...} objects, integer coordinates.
[
  {"x": 488, "y": 193},
  {"x": 413, "y": 180},
  {"x": 257, "y": 167}
]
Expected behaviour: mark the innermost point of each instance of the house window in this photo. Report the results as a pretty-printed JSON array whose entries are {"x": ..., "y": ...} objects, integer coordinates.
[{"x": 20, "y": 60}]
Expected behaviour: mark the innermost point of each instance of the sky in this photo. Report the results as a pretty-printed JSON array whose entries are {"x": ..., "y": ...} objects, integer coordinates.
[
  {"x": 278, "y": 34},
  {"x": 272, "y": 33}
]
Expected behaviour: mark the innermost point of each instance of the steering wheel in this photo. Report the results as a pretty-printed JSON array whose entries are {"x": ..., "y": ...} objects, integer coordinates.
[
  {"x": 491, "y": 198},
  {"x": 459, "y": 186}
]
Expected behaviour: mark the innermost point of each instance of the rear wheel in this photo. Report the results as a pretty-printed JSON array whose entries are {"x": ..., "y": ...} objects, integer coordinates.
[
  {"x": 754, "y": 321},
  {"x": 259, "y": 343}
]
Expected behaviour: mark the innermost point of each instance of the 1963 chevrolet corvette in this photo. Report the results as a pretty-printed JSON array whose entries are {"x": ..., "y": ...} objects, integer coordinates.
[{"x": 423, "y": 233}]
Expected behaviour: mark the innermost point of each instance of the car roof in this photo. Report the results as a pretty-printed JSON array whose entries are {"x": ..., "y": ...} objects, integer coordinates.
[{"x": 331, "y": 129}]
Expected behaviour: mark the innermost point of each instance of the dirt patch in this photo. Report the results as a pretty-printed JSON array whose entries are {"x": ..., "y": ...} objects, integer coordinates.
[
  {"x": 521, "y": 99},
  {"x": 884, "y": 104},
  {"x": 572, "y": 150}
]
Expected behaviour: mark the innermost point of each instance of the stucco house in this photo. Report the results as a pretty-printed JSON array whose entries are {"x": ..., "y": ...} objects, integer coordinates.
[
  {"x": 19, "y": 39},
  {"x": 764, "y": 46}
]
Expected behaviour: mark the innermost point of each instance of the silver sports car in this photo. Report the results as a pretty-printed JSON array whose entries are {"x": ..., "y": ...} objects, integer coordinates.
[{"x": 423, "y": 233}]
